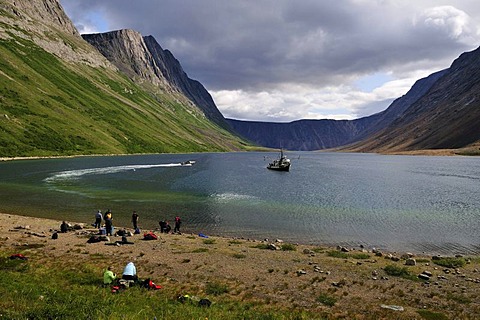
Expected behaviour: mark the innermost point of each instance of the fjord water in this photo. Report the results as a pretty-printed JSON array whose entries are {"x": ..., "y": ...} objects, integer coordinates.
[{"x": 396, "y": 203}]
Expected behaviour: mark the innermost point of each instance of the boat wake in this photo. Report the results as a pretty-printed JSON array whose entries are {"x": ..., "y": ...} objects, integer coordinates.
[
  {"x": 230, "y": 197},
  {"x": 76, "y": 174}
]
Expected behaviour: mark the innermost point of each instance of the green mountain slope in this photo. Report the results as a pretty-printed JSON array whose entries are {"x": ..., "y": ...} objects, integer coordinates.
[{"x": 52, "y": 106}]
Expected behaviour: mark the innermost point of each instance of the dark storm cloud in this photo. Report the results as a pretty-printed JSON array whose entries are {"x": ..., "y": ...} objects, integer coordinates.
[
  {"x": 259, "y": 45},
  {"x": 231, "y": 44}
]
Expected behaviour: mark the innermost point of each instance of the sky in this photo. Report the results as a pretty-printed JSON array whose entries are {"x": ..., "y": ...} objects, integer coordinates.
[{"x": 286, "y": 60}]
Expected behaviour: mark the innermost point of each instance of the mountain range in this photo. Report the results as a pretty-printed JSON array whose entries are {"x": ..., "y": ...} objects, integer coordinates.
[
  {"x": 441, "y": 111},
  {"x": 63, "y": 93},
  {"x": 60, "y": 95}
]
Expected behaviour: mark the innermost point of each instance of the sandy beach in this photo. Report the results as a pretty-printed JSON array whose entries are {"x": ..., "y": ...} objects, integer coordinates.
[{"x": 291, "y": 278}]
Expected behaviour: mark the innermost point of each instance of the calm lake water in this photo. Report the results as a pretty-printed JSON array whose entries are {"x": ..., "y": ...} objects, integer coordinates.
[{"x": 397, "y": 203}]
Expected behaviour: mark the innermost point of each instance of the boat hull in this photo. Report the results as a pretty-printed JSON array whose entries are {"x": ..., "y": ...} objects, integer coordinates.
[{"x": 277, "y": 168}]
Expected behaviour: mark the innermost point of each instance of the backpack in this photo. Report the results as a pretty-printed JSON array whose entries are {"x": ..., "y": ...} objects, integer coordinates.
[
  {"x": 94, "y": 239},
  {"x": 148, "y": 283},
  {"x": 204, "y": 302},
  {"x": 150, "y": 236}
]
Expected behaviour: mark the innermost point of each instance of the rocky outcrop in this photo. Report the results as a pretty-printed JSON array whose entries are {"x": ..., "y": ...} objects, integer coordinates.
[
  {"x": 45, "y": 23},
  {"x": 144, "y": 61},
  {"x": 48, "y": 12},
  {"x": 128, "y": 52}
]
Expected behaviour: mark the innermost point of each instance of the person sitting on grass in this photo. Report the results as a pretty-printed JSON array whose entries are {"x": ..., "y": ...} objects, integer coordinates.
[
  {"x": 108, "y": 276},
  {"x": 130, "y": 272}
]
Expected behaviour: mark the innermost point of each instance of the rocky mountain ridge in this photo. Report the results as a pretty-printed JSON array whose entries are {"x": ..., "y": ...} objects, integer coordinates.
[
  {"x": 146, "y": 62},
  {"x": 60, "y": 96},
  {"x": 447, "y": 116}
]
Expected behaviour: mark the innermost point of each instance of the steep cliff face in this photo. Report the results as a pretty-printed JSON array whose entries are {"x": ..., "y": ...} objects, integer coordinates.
[
  {"x": 447, "y": 116},
  {"x": 45, "y": 23},
  {"x": 144, "y": 61},
  {"x": 172, "y": 71},
  {"x": 128, "y": 52},
  {"x": 304, "y": 135},
  {"x": 49, "y": 12}
]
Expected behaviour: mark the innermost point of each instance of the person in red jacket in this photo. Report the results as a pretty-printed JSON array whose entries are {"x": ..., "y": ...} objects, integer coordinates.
[{"x": 178, "y": 222}]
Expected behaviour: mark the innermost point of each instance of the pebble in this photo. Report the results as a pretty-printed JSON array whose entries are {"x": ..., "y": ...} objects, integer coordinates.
[{"x": 301, "y": 272}]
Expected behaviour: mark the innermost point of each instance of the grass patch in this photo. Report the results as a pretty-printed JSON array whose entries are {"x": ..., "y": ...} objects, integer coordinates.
[
  {"x": 263, "y": 246},
  {"x": 239, "y": 256},
  {"x": 396, "y": 271},
  {"x": 337, "y": 254},
  {"x": 360, "y": 256},
  {"x": 17, "y": 265},
  {"x": 429, "y": 315},
  {"x": 345, "y": 255},
  {"x": 326, "y": 300},
  {"x": 458, "y": 298},
  {"x": 288, "y": 247},
  {"x": 200, "y": 250},
  {"x": 450, "y": 262},
  {"x": 209, "y": 241},
  {"x": 421, "y": 260},
  {"x": 98, "y": 256},
  {"x": 235, "y": 242},
  {"x": 47, "y": 289},
  {"x": 216, "y": 288}
]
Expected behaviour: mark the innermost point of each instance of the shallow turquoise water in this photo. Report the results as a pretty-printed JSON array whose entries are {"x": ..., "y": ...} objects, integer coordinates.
[{"x": 399, "y": 203}]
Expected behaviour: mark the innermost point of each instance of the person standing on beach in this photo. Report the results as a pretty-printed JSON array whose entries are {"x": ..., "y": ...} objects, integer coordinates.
[
  {"x": 108, "y": 214},
  {"x": 163, "y": 225},
  {"x": 135, "y": 220},
  {"x": 178, "y": 222},
  {"x": 98, "y": 219},
  {"x": 108, "y": 223}
]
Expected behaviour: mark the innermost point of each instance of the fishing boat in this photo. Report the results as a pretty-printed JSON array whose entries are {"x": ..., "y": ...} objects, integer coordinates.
[{"x": 280, "y": 164}]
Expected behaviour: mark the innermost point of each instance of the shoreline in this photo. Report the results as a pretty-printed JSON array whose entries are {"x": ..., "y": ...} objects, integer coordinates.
[
  {"x": 286, "y": 277},
  {"x": 90, "y": 228},
  {"x": 423, "y": 152}
]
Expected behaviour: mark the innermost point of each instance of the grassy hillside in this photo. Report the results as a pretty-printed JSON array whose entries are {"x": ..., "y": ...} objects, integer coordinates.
[{"x": 50, "y": 107}]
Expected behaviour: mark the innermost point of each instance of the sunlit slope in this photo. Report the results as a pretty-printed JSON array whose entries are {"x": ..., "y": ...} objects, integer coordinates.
[{"x": 52, "y": 107}]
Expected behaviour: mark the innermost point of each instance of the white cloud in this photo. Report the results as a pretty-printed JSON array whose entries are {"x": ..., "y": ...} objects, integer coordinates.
[{"x": 451, "y": 21}]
